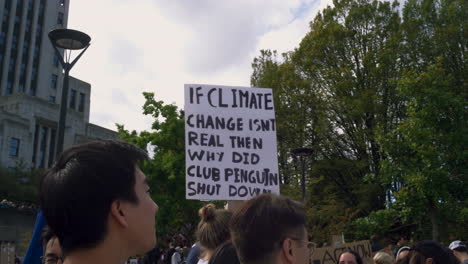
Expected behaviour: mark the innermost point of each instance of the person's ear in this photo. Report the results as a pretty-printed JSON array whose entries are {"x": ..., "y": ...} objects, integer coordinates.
[
  {"x": 429, "y": 261},
  {"x": 287, "y": 250},
  {"x": 118, "y": 214}
]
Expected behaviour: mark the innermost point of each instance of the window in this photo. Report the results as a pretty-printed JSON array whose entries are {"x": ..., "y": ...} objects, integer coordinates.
[
  {"x": 60, "y": 18},
  {"x": 36, "y": 52},
  {"x": 36, "y": 136},
  {"x": 25, "y": 47},
  {"x": 52, "y": 147},
  {"x": 2, "y": 38},
  {"x": 34, "y": 73},
  {"x": 28, "y": 25},
  {"x": 81, "y": 102},
  {"x": 42, "y": 147},
  {"x": 56, "y": 60},
  {"x": 22, "y": 71},
  {"x": 52, "y": 99},
  {"x": 53, "y": 81},
  {"x": 14, "y": 147},
  {"x": 9, "y": 87},
  {"x": 11, "y": 65},
  {"x": 14, "y": 41},
  {"x": 73, "y": 99},
  {"x": 6, "y": 16}
]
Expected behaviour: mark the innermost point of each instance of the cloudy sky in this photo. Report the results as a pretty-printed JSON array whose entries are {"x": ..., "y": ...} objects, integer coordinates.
[{"x": 158, "y": 45}]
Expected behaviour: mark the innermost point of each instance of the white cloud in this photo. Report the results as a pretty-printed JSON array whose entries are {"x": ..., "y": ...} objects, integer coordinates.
[{"x": 158, "y": 45}]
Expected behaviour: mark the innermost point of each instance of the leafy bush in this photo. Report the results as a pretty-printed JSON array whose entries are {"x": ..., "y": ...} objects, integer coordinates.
[{"x": 377, "y": 223}]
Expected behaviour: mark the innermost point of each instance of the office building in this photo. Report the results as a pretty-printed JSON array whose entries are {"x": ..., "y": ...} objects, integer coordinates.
[{"x": 31, "y": 79}]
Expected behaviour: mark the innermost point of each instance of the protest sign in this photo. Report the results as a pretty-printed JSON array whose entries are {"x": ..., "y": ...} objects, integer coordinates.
[
  {"x": 230, "y": 139},
  {"x": 330, "y": 255}
]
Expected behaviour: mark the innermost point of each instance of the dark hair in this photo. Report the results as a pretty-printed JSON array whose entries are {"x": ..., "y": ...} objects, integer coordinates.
[
  {"x": 262, "y": 223},
  {"x": 452, "y": 258},
  {"x": 225, "y": 254},
  {"x": 461, "y": 249},
  {"x": 77, "y": 192},
  {"x": 47, "y": 234},
  {"x": 213, "y": 229},
  {"x": 430, "y": 249},
  {"x": 354, "y": 253}
]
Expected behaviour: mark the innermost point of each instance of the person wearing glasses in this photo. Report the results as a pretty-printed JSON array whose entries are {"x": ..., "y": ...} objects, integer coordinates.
[
  {"x": 97, "y": 201},
  {"x": 270, "y": 228},
  {"x": 52, "y": 248}
]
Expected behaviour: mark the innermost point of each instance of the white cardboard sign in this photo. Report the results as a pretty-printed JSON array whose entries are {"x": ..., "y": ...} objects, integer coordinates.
[{"x": 230, "y": 142}]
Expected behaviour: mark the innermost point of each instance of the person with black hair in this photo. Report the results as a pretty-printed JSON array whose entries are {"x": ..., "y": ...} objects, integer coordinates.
[
  {"x": 349, "y": 257},
  {"x": 52, "y": 253},
  {"x": 428, "y": 252},
  {"x": 96, "y": 200},
  {"x": 460, "y": 251}
]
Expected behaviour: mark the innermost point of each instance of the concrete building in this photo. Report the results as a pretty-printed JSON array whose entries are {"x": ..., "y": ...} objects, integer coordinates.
[{"x": 30, "y": 86}]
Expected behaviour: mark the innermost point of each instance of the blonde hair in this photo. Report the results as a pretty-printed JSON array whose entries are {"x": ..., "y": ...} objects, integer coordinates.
[
  {"x": 383, "y": 258},
  {"x": 213, "y": 229}
]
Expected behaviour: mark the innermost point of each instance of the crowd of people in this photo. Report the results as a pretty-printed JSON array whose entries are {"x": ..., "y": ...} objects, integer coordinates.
[{"x": 96, "y": 202}]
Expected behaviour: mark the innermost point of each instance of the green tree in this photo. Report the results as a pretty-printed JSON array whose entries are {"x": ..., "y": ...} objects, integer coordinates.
[
  {"x": 335, "y": 93},
  {"x": 428, "y": 149},
  {"x": 20, "y": 184},
  {"x": 166, "y": 168},
  {"x": 381, "y": 98},
  {"x": 426, "y": 168}
]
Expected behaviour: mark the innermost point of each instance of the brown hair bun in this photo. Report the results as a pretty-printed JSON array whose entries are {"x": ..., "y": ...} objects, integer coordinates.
[{"x": 207, "y": 212}]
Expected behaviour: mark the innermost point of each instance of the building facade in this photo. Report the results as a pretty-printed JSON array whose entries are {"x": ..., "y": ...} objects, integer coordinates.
[{"x": 31, "y": 79}]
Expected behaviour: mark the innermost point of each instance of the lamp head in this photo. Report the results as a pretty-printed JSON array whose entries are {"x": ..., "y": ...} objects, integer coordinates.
[
  {"x": 303, "y": 152},
  {"x": 69, "y": 39}
]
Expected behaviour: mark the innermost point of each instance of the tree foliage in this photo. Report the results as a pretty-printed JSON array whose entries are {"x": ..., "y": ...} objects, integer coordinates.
[
  {"x": 166, "y": 168},
  {"x": 379, "y": 94},
  {"x": 20, "y": 184}
]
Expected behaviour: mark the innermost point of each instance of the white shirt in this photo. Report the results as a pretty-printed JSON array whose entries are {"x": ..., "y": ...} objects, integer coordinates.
[{"x": 176, "y": 259}]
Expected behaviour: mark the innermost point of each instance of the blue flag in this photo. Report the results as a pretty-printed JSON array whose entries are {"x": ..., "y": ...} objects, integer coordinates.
[{"x": 34, "y": 253}]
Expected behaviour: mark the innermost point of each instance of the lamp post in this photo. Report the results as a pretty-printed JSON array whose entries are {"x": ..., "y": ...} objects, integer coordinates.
[
  {"x": 67, "y": 39},
  {"x": 302, "y": 153}
]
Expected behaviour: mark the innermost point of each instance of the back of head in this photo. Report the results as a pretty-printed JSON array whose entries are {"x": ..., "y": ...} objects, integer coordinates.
[
  {"x": 383, "y": 258},
  {"x": 262, "y": 223},
  {"x": 77, "y": 192},
  {"x": 213, "y": 228},
  {"x": 452, "y": 257},
  {"x": 458, "y": 246},
  {"x": 429, "y": 249}
]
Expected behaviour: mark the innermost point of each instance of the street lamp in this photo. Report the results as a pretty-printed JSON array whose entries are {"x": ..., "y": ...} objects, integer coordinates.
[
  {"x": 67, "y": 39},
  {"x": 303, "y": 153}
]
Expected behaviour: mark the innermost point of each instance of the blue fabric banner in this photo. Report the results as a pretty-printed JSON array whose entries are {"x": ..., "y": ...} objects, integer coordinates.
[{"x": 34, "y": 253}]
